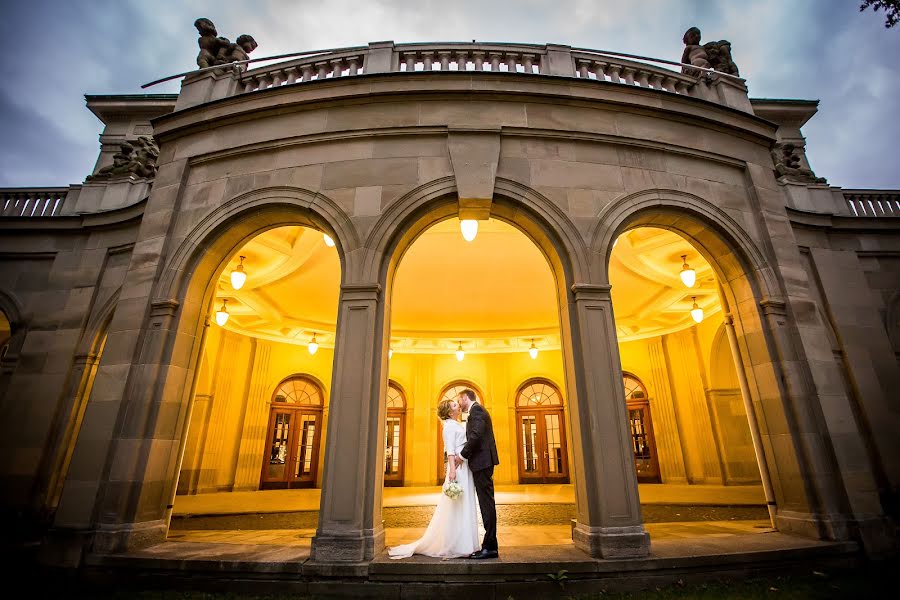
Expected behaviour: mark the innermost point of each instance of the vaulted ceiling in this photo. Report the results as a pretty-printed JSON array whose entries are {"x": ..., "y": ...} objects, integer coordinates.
[{"x": 496, "y": 293}]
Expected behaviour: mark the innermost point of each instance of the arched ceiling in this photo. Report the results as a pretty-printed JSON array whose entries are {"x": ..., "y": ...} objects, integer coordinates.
[{"x": 496, "y": 293}]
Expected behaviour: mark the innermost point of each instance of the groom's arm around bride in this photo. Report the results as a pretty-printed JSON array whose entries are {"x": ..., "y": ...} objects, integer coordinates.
[{"x": 480, "y": 450}]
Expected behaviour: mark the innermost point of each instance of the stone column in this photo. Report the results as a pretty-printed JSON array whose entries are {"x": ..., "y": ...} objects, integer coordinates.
[
  {"x": 350, "y": 526},
  {"x": 608, "y": 522}
]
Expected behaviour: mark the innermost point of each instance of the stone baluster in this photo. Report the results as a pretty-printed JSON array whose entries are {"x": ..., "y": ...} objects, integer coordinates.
[
  {"x": 668, "y": 84},
  {"x": 427, "y": 61},
  {"x": 478, "y": 55},
  {"x": 277, "y": 78},
  {"x": 250, "y": 85},
  {"x": 292, "y": 74},
  {"x": 643, "y": 78},
  {"x": 444, "y": 57},
  {"x": 583, "y": 69},
  {"x": 528, "y": 63},
  {"x": 306, "y": 72},
  {"x": 614, "y": 73},
  {"x": 322, "y": 68},
  {"x": 337, "y": 67},
  {"x": 409, "y": 58},
  {"x": 681, "y": 87},
  {"x": 462, "y": 60},
  {"x": 495, "y": 61},
  {"x": 511, "y": 62},
  {"x": 600, "y": 70},
  {"x": 354, "y": 65},
  {"x": 628, "y": 75},
  {"x": 264, "y": 81},
  {"x": 656, "y": 81}
]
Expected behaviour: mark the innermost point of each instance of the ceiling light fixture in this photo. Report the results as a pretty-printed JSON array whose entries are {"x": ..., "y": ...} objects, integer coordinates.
[
  {"x": 459, "y": 352},
  {"x": 238, "y": 276},
  {"x": 469, "y": 228},
  {"x": 688, "y": 275},
  {"x": 696, "y": 311},
  {"x": 328, "y": 241},
  {"x": 533, "y": 351},
  {"x": 313, "y": 345},
  {"x": 222, "y": 314}
]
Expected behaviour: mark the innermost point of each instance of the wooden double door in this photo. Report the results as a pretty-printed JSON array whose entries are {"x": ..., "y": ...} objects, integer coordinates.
[
  {"x": 293, "y": 448},
  {"x": 643, "y": 444},
  {"x": 543, "y": 454}
]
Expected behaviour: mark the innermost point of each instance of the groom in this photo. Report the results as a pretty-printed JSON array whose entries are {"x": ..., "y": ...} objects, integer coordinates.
[{"x": 481, "y": 452}]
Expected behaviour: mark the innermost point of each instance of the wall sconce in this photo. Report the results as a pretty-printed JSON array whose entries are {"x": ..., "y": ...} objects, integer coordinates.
[{"x": 238, "y": 276}]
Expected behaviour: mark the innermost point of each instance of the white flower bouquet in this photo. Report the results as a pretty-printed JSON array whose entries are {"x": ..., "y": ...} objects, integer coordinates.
[{"x": 453, "y": 490}]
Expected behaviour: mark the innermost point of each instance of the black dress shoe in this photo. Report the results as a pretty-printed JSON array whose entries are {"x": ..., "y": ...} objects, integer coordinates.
[{"x": 485, "y": 554}]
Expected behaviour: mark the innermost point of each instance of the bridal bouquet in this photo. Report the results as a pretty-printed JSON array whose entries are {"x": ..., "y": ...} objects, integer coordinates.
[{"x": 452, "y": 490}]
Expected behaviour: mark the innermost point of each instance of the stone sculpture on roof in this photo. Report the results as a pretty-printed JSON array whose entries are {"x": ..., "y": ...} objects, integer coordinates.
[
  {"x": 218, "y": 50},
  {"x": 711, "y": 55},
  {"x": 136, "y": 158}
]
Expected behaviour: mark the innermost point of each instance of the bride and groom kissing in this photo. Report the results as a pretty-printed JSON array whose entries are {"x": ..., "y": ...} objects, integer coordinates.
[{"x": 471, "y": 457}]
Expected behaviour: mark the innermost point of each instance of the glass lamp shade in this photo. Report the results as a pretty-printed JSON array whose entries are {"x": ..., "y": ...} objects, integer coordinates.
[
  {"x": 469, "y": 228},
  {"x": 688, "y": 275},
  {"x": 328, "y": 241},
  {"x": 696, "y": 312},
  {"x": 313, "y": 345},
  {"x": 222, "y": 315},
  {"x": 238, "y": 277},
  {"x": 533, "y": 351},
  {"x": 459, "y": 353}
]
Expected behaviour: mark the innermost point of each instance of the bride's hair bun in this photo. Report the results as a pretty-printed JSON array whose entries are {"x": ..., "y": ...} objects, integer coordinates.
[{"x": 444, "y": 408}]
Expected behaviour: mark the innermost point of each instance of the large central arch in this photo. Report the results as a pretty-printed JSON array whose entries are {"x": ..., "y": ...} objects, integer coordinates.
[{"x": 607, "y": 506}]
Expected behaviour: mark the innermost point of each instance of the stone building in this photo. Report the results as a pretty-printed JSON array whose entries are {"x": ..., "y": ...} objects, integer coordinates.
[{"x": 136, "y": 370}]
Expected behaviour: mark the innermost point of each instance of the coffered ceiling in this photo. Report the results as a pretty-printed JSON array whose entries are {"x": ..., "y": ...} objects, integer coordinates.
[{"x": 494, "y": 294}]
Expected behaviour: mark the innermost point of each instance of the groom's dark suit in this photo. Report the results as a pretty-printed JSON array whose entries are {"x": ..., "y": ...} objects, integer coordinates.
[{"x": 481, "y": 452}]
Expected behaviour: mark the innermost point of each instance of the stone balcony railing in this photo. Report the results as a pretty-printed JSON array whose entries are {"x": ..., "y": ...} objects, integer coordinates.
[
  {"x": 873, "y": 203},
  {"x": 32, "y": 202},
  {"x": 524, "y": 59}
]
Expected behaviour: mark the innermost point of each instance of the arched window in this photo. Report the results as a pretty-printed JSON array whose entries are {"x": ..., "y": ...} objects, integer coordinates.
[
  {"x": 643, "y": 442},
  {"x": 394, "y": 435},
  {"x": 295, "y": 424},
  {"x": 541, "y": 433}
]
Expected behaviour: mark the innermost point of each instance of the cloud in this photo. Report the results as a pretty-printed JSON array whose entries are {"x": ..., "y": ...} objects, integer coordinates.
[{"x": 810, "y": 49}]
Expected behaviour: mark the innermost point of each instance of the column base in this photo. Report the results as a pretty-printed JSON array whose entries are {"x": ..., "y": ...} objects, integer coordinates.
[
  {"x": 109, "y": 539},
  {"x": 875, "y": 534},
  {"x": 354, "y": 547},
  {"x": 612, "y": 542}
]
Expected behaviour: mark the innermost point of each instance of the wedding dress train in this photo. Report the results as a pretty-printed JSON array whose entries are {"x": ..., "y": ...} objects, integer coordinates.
[{"x": 453, "y": 530}]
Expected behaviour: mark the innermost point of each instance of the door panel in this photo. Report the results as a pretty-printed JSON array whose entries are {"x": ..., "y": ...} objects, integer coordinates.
[
  {"x": 542, "y": 446},
  {"x": 293, "y": 450},
  {"x": 393, "y": 450},
  {"x": 643, "y": 444}
]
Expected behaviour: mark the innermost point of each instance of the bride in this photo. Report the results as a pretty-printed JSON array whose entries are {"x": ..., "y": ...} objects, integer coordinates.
[{"x": 453, "y": 530}]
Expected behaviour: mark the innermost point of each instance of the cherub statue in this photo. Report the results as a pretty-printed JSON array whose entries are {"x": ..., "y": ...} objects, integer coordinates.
[
  {"x": 238, "y": 51},
  {"x": 788, "y": 165},
  {"x": 209, "y": 41},
  {"x": 711, "y": 55},
  {"x": 719, "y": 54},
  {"x": 694, "y": 53},
  {"x": 135, "y": 158}
]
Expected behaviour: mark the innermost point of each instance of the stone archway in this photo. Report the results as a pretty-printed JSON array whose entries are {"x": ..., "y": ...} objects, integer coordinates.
[
  {"x": 137, "y": 510},
  {"x": 608, "y": 520},
  {"x": 753, "y": 302}
]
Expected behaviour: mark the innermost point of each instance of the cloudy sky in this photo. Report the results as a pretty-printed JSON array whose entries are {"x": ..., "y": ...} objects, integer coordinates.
[{"x": 826, "y": 50}]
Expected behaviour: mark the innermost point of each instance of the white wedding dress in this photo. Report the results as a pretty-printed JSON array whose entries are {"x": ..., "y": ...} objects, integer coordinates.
[{"x": 453, "y": 531}]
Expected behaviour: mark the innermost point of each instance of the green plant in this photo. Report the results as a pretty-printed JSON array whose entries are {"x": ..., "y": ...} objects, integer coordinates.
[{"x": 559, "y": 577}]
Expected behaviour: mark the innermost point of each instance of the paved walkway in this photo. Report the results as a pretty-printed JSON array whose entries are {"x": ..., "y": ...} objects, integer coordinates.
[{"x": 269, "y": 501}]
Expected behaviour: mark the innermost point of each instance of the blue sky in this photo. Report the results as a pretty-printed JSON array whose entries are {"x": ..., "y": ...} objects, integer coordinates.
[{"x": 826, "y": 50}]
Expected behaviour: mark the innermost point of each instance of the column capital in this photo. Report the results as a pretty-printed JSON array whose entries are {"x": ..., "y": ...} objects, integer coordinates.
[
  {"x": 773, "y": 306},
  {"x": 591, "y": 291},
  {"x": 360, "y": 291}
]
